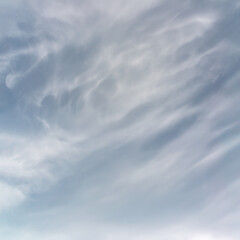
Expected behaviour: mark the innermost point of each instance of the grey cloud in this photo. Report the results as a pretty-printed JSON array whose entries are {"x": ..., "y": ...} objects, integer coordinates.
[
  {"x": 172, "y": 133},
  {"x": 12, "y": 44}
]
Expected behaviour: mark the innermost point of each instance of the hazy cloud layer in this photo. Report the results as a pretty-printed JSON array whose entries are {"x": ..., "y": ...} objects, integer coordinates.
[{"x": 119, "y": 120}]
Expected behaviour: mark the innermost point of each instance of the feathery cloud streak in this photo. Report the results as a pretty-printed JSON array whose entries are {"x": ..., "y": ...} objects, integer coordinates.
[{"x": 119, "y": 120}]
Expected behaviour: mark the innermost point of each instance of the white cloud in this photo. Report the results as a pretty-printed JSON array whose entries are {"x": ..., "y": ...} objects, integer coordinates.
[
  {"x": 122, "y": 99},
  {"x": 10, "y": 196}
]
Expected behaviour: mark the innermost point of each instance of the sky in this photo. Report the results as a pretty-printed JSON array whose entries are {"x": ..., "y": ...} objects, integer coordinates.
[{"x": 119, "y": 120}]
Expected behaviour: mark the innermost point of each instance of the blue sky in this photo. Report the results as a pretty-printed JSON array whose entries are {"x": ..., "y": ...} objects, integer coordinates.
[{"x": 119, "y": 120}]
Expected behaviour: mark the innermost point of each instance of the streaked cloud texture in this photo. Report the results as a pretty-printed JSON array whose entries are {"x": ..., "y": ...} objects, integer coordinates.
[{"x": 119, "y": 120}]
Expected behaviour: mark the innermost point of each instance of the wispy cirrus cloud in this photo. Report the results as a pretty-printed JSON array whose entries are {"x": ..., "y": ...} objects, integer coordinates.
[{"x": 119, "y": 118}]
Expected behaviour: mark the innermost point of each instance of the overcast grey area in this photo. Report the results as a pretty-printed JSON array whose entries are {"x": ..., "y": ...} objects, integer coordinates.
[{"x": 119, "y": 120}]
